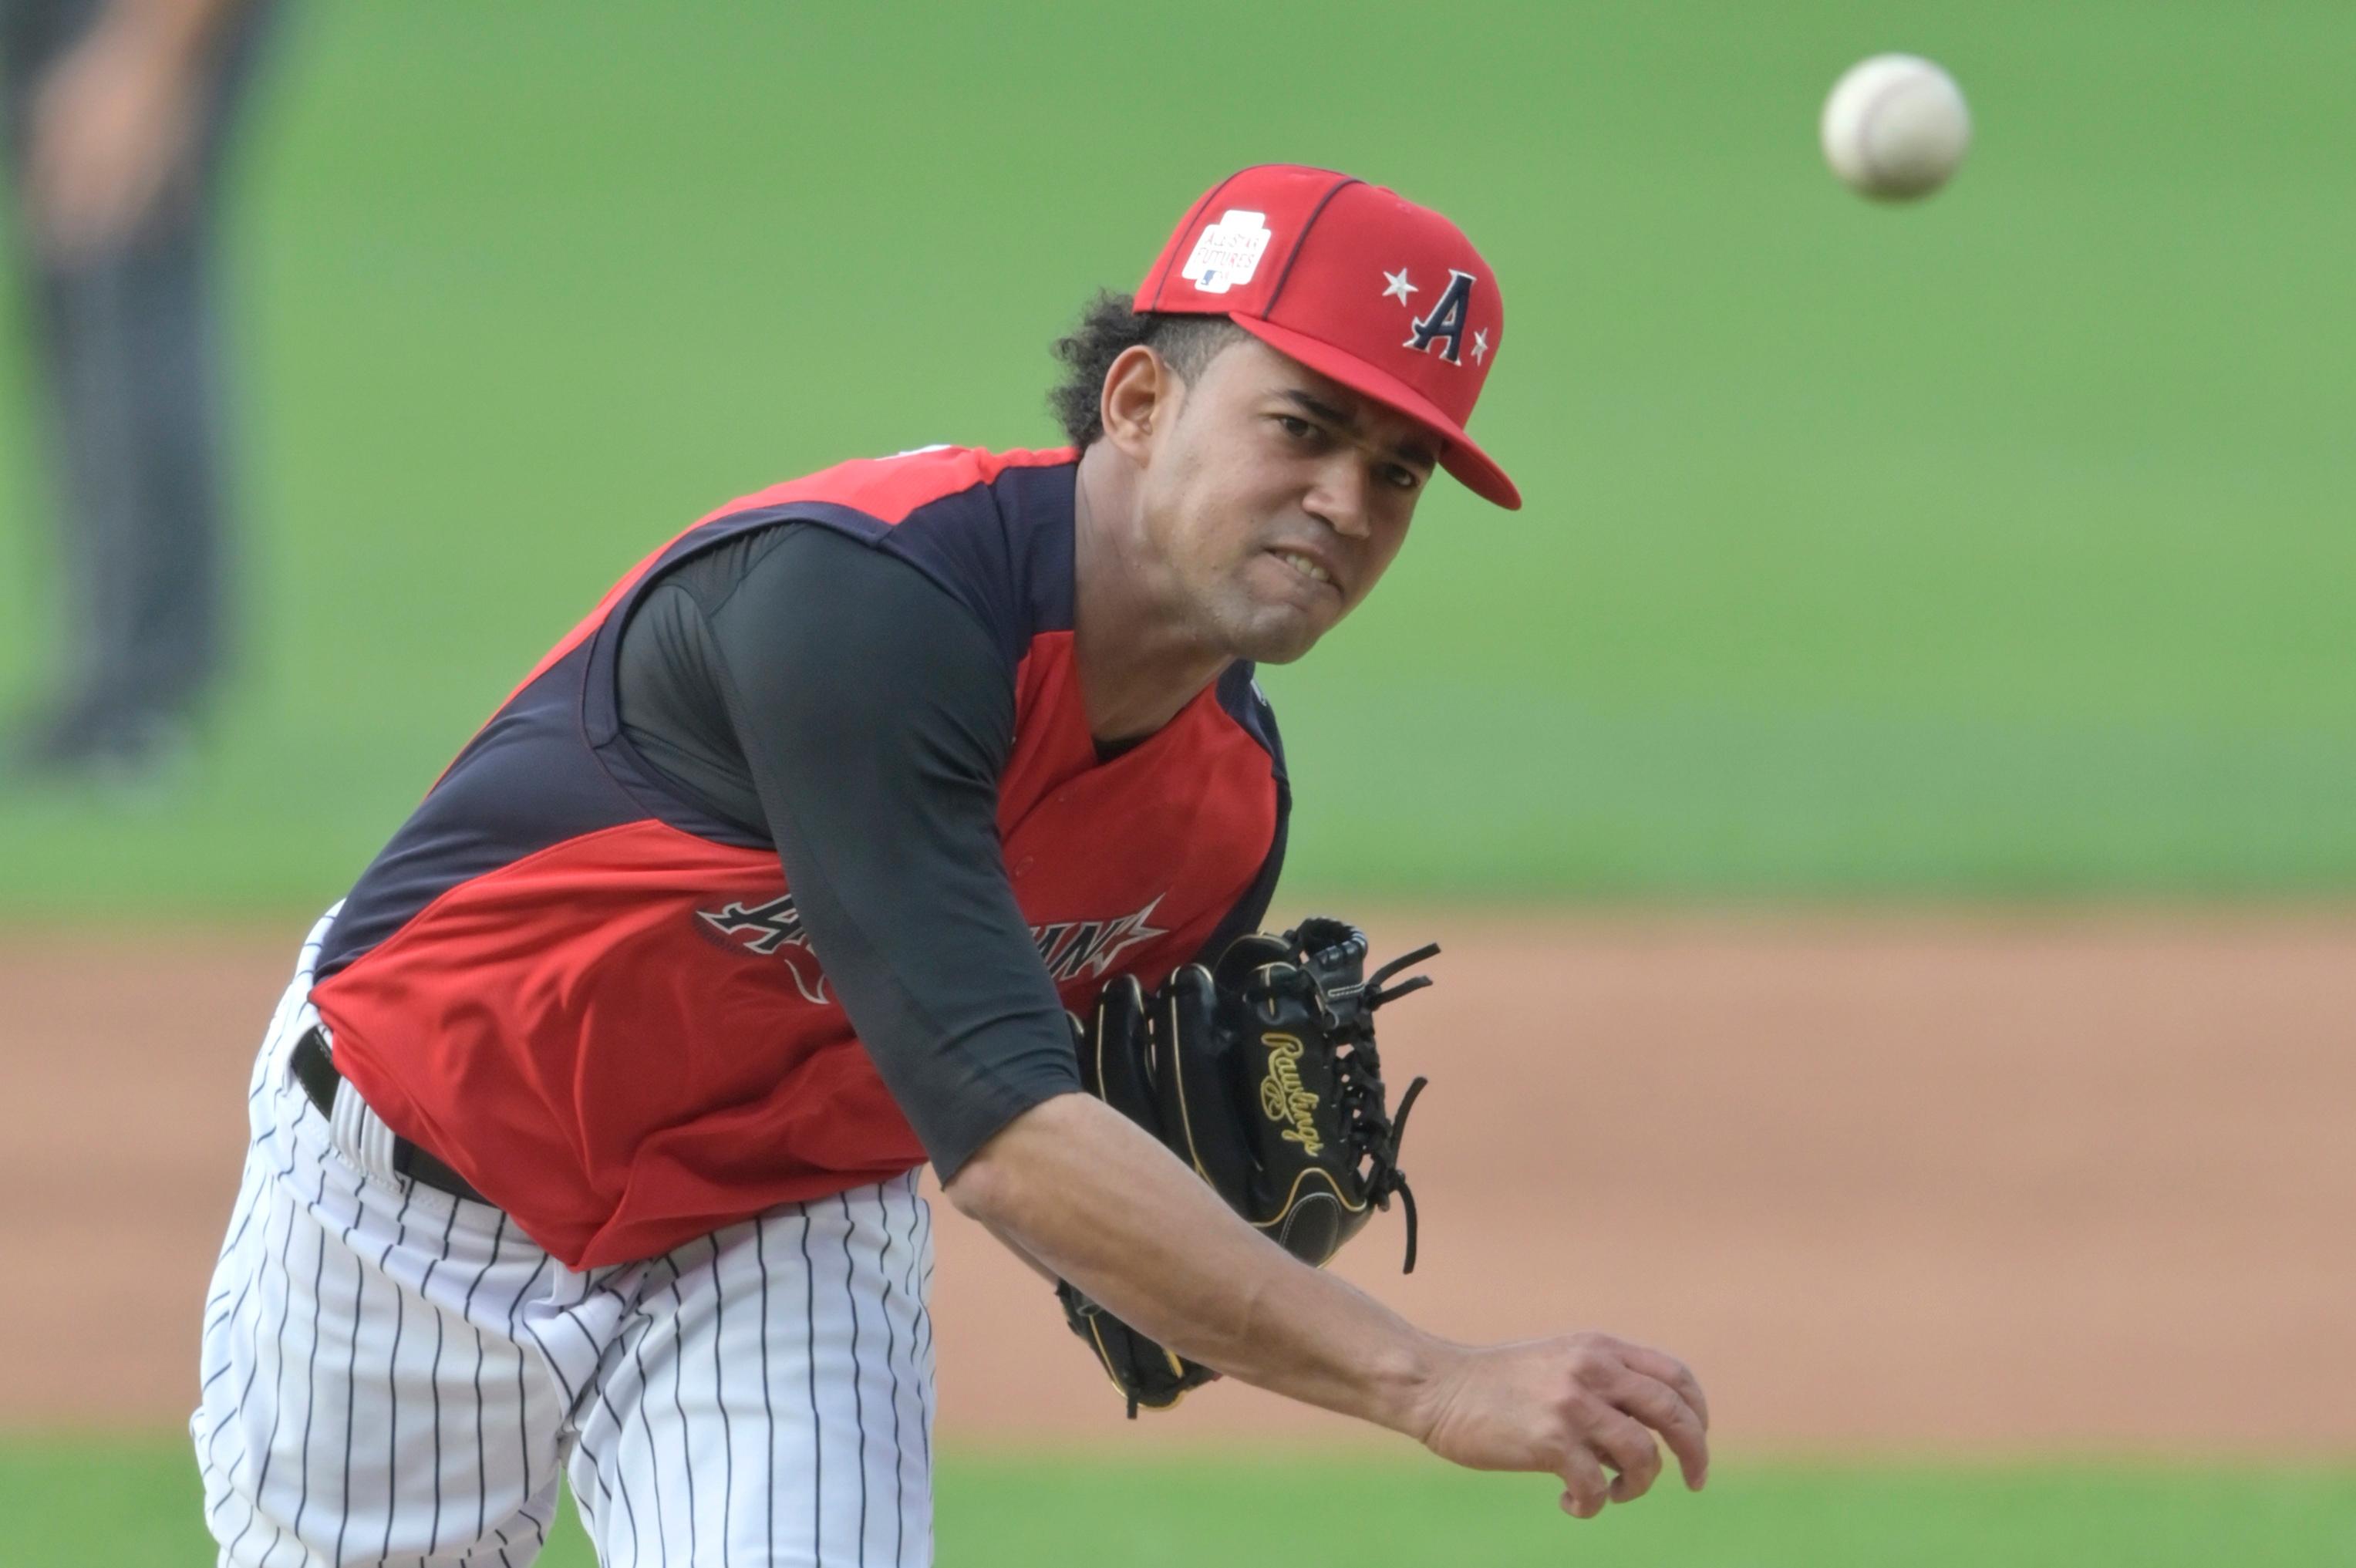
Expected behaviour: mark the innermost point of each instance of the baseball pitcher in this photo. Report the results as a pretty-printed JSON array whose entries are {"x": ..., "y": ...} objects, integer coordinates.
[{"x": 920, "y": 810}]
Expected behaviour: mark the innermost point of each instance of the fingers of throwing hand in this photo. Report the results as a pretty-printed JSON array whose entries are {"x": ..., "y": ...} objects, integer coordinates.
[
  {"x": 1662, "y": 1408},
  {"x": 1584, "y": 1488},
  {"x": 1661, "y": 1366},
  {"x": 1629, "y": 1448}
]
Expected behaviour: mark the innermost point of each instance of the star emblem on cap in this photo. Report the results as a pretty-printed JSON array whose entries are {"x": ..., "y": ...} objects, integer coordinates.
[
  {"x": 1398, "y": 287},
  {"x": 1479, "y": 344}
]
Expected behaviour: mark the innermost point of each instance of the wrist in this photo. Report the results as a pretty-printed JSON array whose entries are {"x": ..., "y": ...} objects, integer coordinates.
[{"x": 1406, "y": 1388}]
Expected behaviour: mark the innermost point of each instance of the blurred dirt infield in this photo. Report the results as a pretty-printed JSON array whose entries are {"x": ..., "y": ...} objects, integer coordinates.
[{"x": 1937, "y": 1181}]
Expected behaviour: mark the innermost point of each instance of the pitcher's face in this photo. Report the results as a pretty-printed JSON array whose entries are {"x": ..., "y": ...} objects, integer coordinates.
[{"x": 1278, "y": 498}]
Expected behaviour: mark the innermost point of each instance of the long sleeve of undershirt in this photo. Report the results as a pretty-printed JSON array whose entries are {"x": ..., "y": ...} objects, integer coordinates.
[{"x": 803, "y": 682}]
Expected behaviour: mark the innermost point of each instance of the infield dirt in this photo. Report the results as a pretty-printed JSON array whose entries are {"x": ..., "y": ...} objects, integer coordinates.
[{"x": 1933, "y": 1183}]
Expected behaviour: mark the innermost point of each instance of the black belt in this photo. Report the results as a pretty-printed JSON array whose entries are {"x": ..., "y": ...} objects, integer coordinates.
[{"x": 315, "y": 1070}]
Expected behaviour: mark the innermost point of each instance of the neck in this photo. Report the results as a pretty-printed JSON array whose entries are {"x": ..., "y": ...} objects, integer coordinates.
[{"x": 1141, "y": 658}]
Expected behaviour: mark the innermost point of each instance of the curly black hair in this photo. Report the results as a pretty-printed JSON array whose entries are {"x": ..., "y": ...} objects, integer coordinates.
[{"x": 1110, "y": 325}]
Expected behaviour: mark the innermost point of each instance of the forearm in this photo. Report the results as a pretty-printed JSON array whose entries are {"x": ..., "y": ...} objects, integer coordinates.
[
  {"x": 177, "y": 30},
  {"x": 1086, "y": 1194}
]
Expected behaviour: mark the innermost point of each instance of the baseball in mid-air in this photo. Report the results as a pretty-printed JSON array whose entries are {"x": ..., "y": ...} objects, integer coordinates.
[{"x": 1895, "y": 127}]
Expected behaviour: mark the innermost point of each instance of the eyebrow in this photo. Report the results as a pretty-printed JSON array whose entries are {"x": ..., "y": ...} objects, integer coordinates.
[{"x": 1345, "y": 420}]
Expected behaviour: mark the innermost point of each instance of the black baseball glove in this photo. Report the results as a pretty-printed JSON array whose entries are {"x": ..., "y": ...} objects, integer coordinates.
[{"x": 1261, "y": 1075}]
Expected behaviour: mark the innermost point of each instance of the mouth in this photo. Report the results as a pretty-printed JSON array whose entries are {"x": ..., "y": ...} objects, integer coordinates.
[{"x": 1309, "y": 568}]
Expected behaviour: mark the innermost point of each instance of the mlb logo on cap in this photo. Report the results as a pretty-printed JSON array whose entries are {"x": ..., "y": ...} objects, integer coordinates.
[{"x": 1356, "y": 282}]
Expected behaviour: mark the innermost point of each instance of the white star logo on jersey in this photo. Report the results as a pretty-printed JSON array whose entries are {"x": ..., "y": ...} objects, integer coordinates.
[{"x": 1398, "y": 287}]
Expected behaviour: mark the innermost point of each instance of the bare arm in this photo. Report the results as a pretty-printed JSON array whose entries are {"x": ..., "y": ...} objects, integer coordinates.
[
  {"x": 1085, "y": 1194},
  {"x": 114, "y": 121}
]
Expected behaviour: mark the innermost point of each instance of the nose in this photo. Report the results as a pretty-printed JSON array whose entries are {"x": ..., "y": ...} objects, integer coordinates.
[{"x": 1340, "y": 496}]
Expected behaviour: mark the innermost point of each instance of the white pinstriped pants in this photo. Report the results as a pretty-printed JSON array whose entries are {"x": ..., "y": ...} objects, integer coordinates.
[{"x": 393, "y": 1375}]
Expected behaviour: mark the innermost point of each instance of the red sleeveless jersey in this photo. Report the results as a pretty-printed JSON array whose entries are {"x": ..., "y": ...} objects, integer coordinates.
[{"x": 596, "y": 1002}]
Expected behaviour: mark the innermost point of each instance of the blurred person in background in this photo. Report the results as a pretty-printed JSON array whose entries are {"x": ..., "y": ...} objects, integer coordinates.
[{"x": 116, "y": 114}]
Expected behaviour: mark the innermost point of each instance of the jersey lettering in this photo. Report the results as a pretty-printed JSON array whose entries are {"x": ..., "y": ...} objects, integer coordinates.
[
  {"x": 774, "y": 925},
  {"x": 1069, "y": 948}
]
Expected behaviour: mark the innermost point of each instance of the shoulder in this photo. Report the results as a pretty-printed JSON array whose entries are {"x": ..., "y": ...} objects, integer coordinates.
[
  {"x": 993, "y": 529},
  {"x": 885, "y": 491}
]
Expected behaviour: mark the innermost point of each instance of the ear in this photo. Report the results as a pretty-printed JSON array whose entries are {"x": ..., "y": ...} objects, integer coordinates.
[{"x": 1141, "y": 390}]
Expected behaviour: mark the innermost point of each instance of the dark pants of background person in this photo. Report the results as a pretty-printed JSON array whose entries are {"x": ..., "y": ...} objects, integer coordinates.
[{"x": 127, "y": 354}]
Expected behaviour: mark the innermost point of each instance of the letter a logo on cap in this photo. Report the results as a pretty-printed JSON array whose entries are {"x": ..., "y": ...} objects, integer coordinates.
[
  {"x": 1228, "y": 252},
  {"x": 1446, "y": 319}
]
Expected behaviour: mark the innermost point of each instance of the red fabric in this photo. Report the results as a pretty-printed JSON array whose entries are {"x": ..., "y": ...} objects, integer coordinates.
[
  {"x": 621, "y": 1076},
  {"x": 573, "y": 1038}
]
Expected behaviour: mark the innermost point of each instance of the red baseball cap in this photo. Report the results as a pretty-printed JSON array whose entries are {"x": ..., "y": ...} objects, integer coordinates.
[{"x": 1356, "y": 282}]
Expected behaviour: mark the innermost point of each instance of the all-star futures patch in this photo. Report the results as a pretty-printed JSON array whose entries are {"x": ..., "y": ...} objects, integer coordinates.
[{"x": 1228, "y": 251}]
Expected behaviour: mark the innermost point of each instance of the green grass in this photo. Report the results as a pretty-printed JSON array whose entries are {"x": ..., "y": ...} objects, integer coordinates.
[
  {"x": 130, "y": 1503},
  {"x": 1997, "y": 545}
]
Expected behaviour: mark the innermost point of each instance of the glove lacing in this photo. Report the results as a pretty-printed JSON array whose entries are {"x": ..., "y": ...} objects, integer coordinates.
[{"x": 1375, "y": 1134}]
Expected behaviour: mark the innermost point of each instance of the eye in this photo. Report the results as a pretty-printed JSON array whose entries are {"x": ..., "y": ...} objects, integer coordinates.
[
  {"x": 1399, "y": 476},
  {"x": 1298, "y": 428}
]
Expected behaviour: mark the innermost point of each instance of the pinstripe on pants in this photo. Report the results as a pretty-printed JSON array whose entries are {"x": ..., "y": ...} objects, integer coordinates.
[{"x": 392, "y": 1374}]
